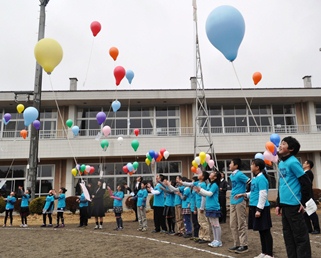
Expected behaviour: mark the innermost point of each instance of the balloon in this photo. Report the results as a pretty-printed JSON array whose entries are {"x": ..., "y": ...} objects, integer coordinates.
[
  {"x": 30, "y": 114},
  {"x": 24, "y": 133},
  {"x": 115, "y": 105},
  {"x": 125, "y": 169},
  {"x": 147, "y": 161},
  {"x": 257, "y": 76},
  {"x": 130, "y": 173},
  {"x": 159, "y": 158},
  {"x": 270, "y": 147},
  {"x": 113, "y": 52},
  {"x": 162, "y": 150},
  {"x": 208, "y": 157},
  {"x": 130, "y": 167},
  {"x": 119, "y": 73},
  {"x": 156, "y": 156},
  {"x": 149, "y": 157},
  {"x": 130, "y": 76},
  {"x": 193, "y": 169},
  {"x": 69, "y": 123},
  {"x": 7, "y": 117},
  {"x": 152, "y": 153},
  {"x": 225, "y": 29},
  {"x": 92, "y": 170},
  {"x": 78, "y": 167},
  {"x": 75, "y": 130},
  {"x": 36, "y": 124},
  {"x": 20, "y": 108},
  {"x": 120, "y": 140},
  {"x": 106, "y": 130},
  {"x": 101, "y": 117},
  {"x": 198, "y": 171},
  {"x": 87, "y": 169},
  {"x": 259, "y": 156},
  {"x": 275, "y": 138},
  {"x": 136, "y": 132},
  {"x": 268, "y": 162},
  {"x": 198, "y": 160},
  {"x": 267, "y": 155},
  {"x": 135, "y": 145},
  {"x": 210, "y": 163},
  {"x": 104, "y": 144},
  {"x": 95, "y": 27},
  {"x": 4, "y": 121},
  {"x": 275, "y": 158},
  {"x": 48, "y": 54},
  {"x": 204, "y": 164},
  {"x": 135, "y": 165},
  {"x": 166, "y": 154},
  {"x": 202, "y": 156},
  {"x": 74, "y": 172},
  {"x": 82, "y": 167},
  {"x": 194, "y": 163}
]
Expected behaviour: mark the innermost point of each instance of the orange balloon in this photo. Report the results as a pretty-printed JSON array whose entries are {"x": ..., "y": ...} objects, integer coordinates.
[
  {"x": 193, "y": 169},
  {"x": 270, "y": 146},
  {"x": 257, "y": 76},
  {"x": 113, "y": 52},
  {"x": 268, "y": 162},
  {"x": 24, "y": 133}
]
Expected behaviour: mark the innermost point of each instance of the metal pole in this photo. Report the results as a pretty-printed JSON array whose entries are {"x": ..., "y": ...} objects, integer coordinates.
[{"x": 34, "y": 136}]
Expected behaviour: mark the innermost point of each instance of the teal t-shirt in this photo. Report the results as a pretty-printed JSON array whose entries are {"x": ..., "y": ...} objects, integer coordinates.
[
  {"x": 159, "y": 198},
  {"x": 118, "y": 203},
  {"x": 239, "y": 181},
  {"x": 212, "y": 203},
  {"x": 258, "y": 184}
]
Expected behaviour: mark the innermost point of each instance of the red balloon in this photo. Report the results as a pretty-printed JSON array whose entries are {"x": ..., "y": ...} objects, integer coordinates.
[
  {"x": 159, "y": 158},
  {"x": 119, "y": 73},
  {"x": 162, "y": 150},
  {"x": 92, "y": 170},
  {"x": 95, "y": 28},
  {"x": 125, "y": 169},
  {"x": 136, "y": 132}
]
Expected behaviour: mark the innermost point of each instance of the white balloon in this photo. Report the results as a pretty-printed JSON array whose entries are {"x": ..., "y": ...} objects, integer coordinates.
[
  {"x": 197, "y": 160},
  {"x": 120, "y": 140},
  {"x": 166, "y": 154}
]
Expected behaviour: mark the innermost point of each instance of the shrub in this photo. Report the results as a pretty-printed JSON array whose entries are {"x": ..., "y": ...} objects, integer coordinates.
[
  {"x": 2, "y": 205},
  {"x": 36, "y": 205},
  {"x": 129, "y": 203},
  {"x": 71, "y": 204},
  {"x": 108, "y": 202},
  {"x": 17, "y": 205},
  {"x": 151, "y": 201}
]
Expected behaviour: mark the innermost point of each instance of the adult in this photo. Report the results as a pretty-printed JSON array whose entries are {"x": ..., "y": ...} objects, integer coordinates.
[
  {"x": 90, "y": 191},
  {"x": 222, "y": 197},
  {"x": 137, "y": 187},
  {"x": 98, "y": 210},
  {"x": 307, "y": 166}
]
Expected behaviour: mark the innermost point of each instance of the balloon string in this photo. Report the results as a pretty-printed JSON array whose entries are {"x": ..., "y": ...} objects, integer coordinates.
[
  {"x": 63, "y": 125},
  {"x": 247, "y": 103},
  {"x": 91, "y": 51}
]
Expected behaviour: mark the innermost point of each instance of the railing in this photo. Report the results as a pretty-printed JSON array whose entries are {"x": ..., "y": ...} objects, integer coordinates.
[{"x": 170, "y": 132}]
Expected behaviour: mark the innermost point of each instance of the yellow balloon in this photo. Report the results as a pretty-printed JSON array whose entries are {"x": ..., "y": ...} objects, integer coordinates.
[
  {"x": 74, "y": 172},
  {"x": 48, "y": 54},
  {"x": 20, "y": 108},
  {"x": 202, "y": 156},
  {"x": 194, "y": 163},
  {"x": 147, "y": 161}
]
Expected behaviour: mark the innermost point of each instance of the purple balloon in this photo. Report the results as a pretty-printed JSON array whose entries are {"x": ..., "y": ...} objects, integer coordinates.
[
  {"x": 101, "y": 117},
  {"x": 36, "y": 124},
  {"x": 7, "y": 117}
]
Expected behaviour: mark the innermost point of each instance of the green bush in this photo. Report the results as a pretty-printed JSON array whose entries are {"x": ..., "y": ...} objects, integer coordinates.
[
  {"x": 71, "y": 204},
  {"x": 2, "y": 205},
  {"x": 151, "y": 200},
  {"x": 108, "y": 202},
  {"x": 36, "y": 205},
  {"x": 17, "y": 205}
]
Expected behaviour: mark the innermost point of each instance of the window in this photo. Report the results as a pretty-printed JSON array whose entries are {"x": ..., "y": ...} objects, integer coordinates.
[
  {"x": 318, "y": 116},
  {"x": 167, "y": 120},
  {"x": 45, "y": 179},
  {"x": 86, "y": 120}
]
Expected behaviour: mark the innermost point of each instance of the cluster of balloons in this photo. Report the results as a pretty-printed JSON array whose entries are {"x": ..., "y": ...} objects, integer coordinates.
[
  {"x": 203, "y": 159},
  {"x": 75, "y": 129},
  {"x": 271, "y": 150},
  {"x": 131, "y": 168},
  {"x": 153, "y": 156},
  {"x": 83, "y": 170}
]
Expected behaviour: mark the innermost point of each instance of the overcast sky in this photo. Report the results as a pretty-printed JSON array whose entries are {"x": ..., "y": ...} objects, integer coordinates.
[{"x": 156, "y": 40}]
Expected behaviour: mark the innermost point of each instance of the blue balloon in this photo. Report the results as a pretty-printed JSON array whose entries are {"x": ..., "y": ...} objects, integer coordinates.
[
  {"x": 4, "y": 121},
  {"x": 225, "y": 29},
  {"x": 259, "y": 156},
  {"x": 75, "y": 130},
  {"x": 275, "y": 138},
  {"x": 152, "y": 153},
  {"x": 30, "y": 114},
  {"x": 130, "y": 76},
  {"x": 115, "y": 105},
  {"x": 130, "y": 167}
]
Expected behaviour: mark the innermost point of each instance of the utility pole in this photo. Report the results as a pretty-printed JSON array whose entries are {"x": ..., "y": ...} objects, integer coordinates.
[{"x": 34, "y": 136}]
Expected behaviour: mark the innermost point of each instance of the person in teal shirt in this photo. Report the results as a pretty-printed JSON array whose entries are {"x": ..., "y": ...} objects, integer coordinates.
[
  {"x": 118, "y": 197},
  {"x": 24, "y": 206},
  {"x": 61, "y": 206},
  {"x": 141, "y": 197},
  {"x": 11, "y": 199},
  {"x": 83, "y": 210},
  {"x": 48, "y": 208}
]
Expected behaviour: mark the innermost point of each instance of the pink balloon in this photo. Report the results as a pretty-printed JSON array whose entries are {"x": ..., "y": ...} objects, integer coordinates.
[
  {"x": 208, "y": 157},
  {"x": 268, "y": 155},
  {"x": 106, "y": 130},
  {"x": 210, "y": 163},
  {"x": 198, "y": 171},
  {"x": 87, "y": 168}
]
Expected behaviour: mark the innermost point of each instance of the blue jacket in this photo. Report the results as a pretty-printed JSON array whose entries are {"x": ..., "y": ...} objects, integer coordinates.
[
  {"x": 10, "y": 202},
  {"x": 25, "y": 200},
  {"x": 49, "y": 204},
  {"x": 61, "y": 201},
  {"x": 83, "y": 201}
]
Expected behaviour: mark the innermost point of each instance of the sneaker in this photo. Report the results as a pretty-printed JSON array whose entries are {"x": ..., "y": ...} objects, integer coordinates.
[
  {"x": 268, "y": 256},
  {"x": 187, "y": 235},
  {"x": 80, "y": 226},
  {"x": 233, "y": 249},
  {"x": 4, "y": 225},
  {"x": 154, "y": 231},
  {"x": 21, "y": 225},
  {"x": 163, "y": 231},
  {"x": 62, "y": 226},
  {"x": 202, "y": 241},
  {"x": 96, "y": 227},
  {"x": 171, "y": 233},
  {"x": 43, "y": 226},
  {"x": 25, "y": 225},
  {"x": 120, "y": 228},
  {"x": 49, "y": 226},
  {"x": 10, "y": 225},
  {"x": 100, "y": 226},
  {"x": 139, "y": 229},
  {"x": 57, "y": 226},
  {"x": 261, "y": 255},
  {"x": 144, "y": 229},
  {"x": 116, "y": 229},
  {"x": 241, "y": 250},
  {"x": 217, "y": 243}
]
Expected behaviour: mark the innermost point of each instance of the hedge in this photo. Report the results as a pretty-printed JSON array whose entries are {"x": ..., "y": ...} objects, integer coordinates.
[
  {"x": 36, "y": 205},
  {"x": 2, "y": 205}
]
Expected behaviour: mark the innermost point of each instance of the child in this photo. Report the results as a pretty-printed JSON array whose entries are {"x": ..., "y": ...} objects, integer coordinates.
[
  {"x": 294, "y": 192},
  {"x": 238, "y": 207},
  {"x": 196, "y": 226},
  {"x": 141, "y": 206},
  {"x": 259, "y": 208},
  {"x": 11, "y": 199},
  {"x": 48, "y": 208},
  {"x": 61, "y": 207},
  {"x": 24, "y": 207},
  {"x": 212, "y": 206},
  {"x": 118, "y": 197},
  {"x": 83, "y": 210},
  {"x": 169, "y": 209}
]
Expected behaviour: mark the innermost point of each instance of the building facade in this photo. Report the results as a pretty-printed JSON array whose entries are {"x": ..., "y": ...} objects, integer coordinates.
[{"x": 165, "y": 119}]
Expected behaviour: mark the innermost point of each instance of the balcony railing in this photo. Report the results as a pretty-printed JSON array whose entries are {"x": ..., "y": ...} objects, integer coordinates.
[{"x": 171, "y": 131}]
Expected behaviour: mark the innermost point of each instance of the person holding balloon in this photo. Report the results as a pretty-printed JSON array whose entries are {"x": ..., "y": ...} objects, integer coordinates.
[
  {"x": 61, "y": 206},
  {"x": 11, "y": 199},
  {"x": 98, "y": 210},
  {"x": 83, "y": 210},
  {"x": 48, "y": 208},
  {"x": 118, "y": 197},
  {"x": 24, "y": 206}
]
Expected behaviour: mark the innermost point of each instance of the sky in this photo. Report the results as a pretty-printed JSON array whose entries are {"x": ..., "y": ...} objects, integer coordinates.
[{"x": 156, "y": 40}]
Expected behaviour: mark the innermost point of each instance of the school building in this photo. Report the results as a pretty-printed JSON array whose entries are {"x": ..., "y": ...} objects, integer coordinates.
[{"x": 165, "y": 119}]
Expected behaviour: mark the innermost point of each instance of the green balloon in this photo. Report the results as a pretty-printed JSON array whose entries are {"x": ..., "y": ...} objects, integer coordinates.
[
  {"x": 149, "y": 157},
  {"x": 135, "y": 165},
  {"x": 82, "y": 167},
  {"x": 104, "y": 144},
  {"x": 135, "y": 144},
  {"x": 204, "y": 164},
  {"x": 69, "y": 123}
]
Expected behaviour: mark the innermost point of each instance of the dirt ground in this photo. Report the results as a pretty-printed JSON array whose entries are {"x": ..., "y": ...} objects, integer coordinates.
[{"x": 79, "y": 242}]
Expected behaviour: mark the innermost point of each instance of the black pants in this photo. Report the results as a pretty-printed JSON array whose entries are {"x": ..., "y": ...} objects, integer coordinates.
[
  {"x": 222, "y": 200},
  {"x": 8, "y": 214},
  {"x": 196, "y": 226},
  {"x": 159, "y": 219},
  {"x": 315, "y": 222},
  {"x": 44, "y": 218},
  {"x": 266, "y": 242},
  {"x": 60, "y": 216},
  {"x": 83, "y": 211},
  {"x": 135, "y": 209},
  {"x": 295, "y": 233}
]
